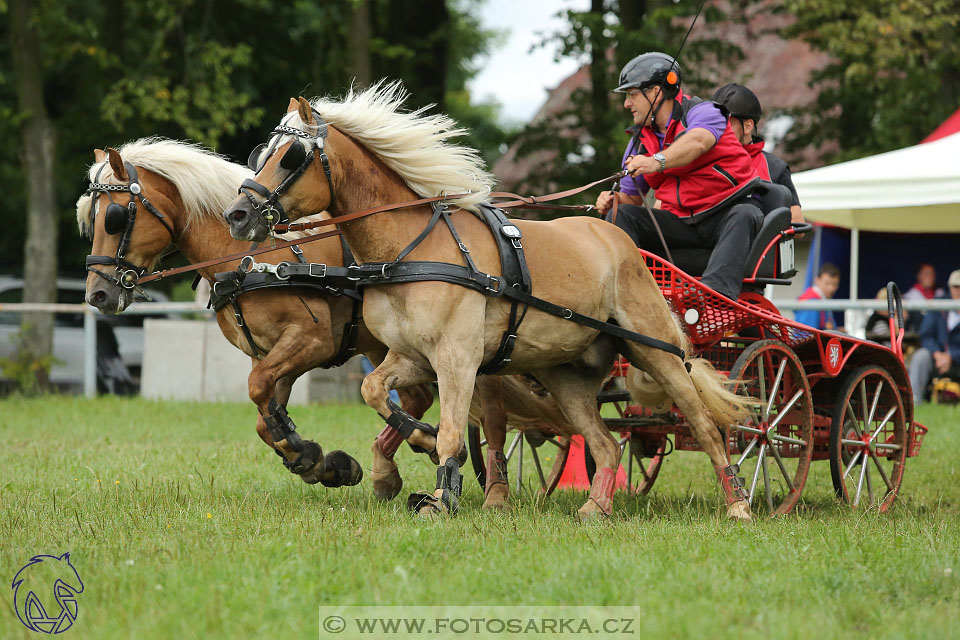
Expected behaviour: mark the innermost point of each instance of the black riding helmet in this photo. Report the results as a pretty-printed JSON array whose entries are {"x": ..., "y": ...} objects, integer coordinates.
[
  {"x": 739, "y": 101},
  {"x": 652, "y": 69}
]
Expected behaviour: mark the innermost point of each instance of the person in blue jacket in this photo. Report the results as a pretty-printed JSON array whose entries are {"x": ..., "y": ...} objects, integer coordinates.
[{"x": 939, "y": 351}]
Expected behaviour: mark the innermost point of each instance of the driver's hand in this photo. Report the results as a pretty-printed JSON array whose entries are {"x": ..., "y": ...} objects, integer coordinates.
[{"x": 604, "y": 202}]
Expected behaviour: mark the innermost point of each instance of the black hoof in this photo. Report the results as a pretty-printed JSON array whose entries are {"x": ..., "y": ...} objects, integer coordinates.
[{"x": 340, "y": 470}]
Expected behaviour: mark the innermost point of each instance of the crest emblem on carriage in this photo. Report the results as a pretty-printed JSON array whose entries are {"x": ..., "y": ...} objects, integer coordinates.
[
  {"x": 45, "y": 593},
  {"x": 834, "y": 356}
]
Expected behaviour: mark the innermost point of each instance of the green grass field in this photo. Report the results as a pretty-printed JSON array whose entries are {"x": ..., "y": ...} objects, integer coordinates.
[{"x": 183, "y": 525}]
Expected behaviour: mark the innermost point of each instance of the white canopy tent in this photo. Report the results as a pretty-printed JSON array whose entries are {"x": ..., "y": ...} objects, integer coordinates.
[{"x": 910, "y": 190}]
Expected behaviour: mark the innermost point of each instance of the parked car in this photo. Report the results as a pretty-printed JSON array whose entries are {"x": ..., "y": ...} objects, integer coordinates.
[{"x": 121, "y": 334}]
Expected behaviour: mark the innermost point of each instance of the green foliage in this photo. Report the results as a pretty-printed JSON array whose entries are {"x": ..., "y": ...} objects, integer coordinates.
[
  {"x": 219, "y": 72},
  {"x": 29, "y": 374},
  {"x": 894, "y": 77},
  {"x": 593, "y": 121}
]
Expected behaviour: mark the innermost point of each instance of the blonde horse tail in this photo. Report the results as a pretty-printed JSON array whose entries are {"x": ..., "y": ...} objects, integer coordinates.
[{"x": 726, "y": 407}]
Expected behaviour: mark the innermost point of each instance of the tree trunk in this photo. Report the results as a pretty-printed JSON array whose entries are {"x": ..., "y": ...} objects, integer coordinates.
[
  {"x": 358, "y": 43},
  {"x": 36, "y": 158}
]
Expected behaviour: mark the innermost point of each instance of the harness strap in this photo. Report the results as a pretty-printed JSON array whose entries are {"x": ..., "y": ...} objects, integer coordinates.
[{"x": 238, "y": 316}]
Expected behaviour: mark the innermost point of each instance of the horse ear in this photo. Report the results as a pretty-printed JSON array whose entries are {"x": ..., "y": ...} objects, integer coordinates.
[
  {"x": 99, "y": 155},
  {"x": 116, "y": 163},
  {"x": 306, "y": 112},
  {"x": 294, "y": 105}
]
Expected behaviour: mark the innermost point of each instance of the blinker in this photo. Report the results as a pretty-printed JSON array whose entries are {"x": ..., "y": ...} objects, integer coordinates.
[
  {"x": 115, "y": 219},
  {"x": 253, "y": 161},
  {"x": 293, "y": 156}
]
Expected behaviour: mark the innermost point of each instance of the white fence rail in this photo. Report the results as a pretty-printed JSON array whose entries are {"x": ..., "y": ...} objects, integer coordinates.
[{"x": 152, "y": 308}]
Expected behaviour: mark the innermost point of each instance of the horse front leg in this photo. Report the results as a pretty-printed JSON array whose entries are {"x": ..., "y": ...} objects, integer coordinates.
[
  {"x": 269, "y": 387},
  {"x": 456, "y": 362}
]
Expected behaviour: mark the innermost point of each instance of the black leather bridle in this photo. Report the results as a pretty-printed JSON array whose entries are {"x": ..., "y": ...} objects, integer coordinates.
[
  {"x": 295, "y": 160},
  {"x": 120, "y": 220}
]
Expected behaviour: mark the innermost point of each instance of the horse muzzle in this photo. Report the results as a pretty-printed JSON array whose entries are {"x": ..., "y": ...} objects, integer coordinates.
[{"x": 245, "y": 223}]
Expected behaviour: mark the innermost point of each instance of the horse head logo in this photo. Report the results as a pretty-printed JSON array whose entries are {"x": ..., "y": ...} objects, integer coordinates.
[{"x": 37, "y": 608}]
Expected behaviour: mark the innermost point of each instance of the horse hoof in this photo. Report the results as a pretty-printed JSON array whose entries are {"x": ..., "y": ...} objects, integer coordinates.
[
  {"x": 387, "y": 484},
  {"x": 341, "y": 470},
  {"x": 740, "y": 511},
  {"x": 496, "y": 497},
  {"x": 432, "y": 506},
  {"x": 590, "y": 511},
  {"x": 314, "y": 473}
]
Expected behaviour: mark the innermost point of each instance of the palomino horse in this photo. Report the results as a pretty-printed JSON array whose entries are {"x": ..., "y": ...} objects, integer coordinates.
[
  {"x": 369, "y": 153},
  {"x": 294, "y": 330}
]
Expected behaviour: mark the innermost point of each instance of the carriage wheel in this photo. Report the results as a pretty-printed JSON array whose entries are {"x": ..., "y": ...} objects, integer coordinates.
[
  {"x": 521, "y": 448},
  {"x": 868, "y": 440},
  {"x": 774, "y": 448}
]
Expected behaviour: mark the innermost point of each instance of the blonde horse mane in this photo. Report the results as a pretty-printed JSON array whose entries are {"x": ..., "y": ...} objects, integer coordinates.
[
  {"x": 414, "y": 145},
  {"x": 206, "y": 181}
]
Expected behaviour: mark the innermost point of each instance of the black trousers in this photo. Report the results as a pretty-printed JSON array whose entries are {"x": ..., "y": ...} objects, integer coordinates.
[{"x": 729, "y": 233}]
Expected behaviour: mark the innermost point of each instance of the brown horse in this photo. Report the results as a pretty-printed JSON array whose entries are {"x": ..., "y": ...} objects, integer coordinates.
[
  {"x": 294, "y": 330},
  {"x": 369, "y": 153}
]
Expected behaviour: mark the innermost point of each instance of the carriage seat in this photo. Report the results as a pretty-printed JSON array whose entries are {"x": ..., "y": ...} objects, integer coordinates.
[{"x": 777, "y": 265}]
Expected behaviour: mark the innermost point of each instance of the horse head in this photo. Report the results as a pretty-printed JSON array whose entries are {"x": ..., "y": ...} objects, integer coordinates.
[{"x": 287, "y": 184}]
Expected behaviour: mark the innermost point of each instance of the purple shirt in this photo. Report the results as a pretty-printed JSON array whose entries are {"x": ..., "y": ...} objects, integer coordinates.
[{"x": 706, "y": 115}]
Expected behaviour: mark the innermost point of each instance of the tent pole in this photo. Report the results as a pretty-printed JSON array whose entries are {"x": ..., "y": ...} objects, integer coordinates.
[{"x": 852, "y": 317}]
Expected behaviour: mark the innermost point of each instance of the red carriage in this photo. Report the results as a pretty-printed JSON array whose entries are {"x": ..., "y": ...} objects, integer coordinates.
[{"x": 820, "y": 394}]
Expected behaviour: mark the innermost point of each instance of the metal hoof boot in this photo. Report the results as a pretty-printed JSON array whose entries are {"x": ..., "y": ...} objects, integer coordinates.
[
  {"x": 446, "y": 499},
  {"x": 738, "y": 505},
  {"x": 340, "y": 470},
  {"x": 405, "y": 424},
  {"x": 308, "y": 463}
]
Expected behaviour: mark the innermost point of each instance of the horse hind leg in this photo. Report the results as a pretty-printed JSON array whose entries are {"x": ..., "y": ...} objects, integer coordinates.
[
  {"x": 494, "y": 420},
  {"x": 576, "y": 393},
  {"x": 387, "y": 482}
]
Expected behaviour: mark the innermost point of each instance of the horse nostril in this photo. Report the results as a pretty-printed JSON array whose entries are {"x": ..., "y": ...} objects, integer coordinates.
[
  {"x": 97, "y": 298},
  {"x": 238, "y": 216}
]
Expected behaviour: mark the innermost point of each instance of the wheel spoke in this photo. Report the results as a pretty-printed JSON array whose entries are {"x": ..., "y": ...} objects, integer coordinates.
[
  {"x": 747, "y": 451},
  {"x": 766, "y": 483},
  {"x": 761, "y": 362},
  {"x": 883, "y": 422},
  {"x": 741, "y": 427},
  {"x": 774, "y": 389},
  {"x": 520, "y": 464},
  {"x": 876, "y": 401},
  {"x": 513, "y": 445},
  {"x": 853, "y": 419},
  {"x": 888, "y": 445},
  {"x": 883, "y": 474},
  {"x": 554, "y": 442},
  {"x": 536, "y": 462},
  {"x": 853, "y": 462},
  {"x": 756, "y": 474},
  {"x": 781, "y": 412},
  {"x": 863, "y": 472},
  {"x": 863, "y": 403},
  {"x": 869, "y": 482},
  {"x": 483, "y": 442},
  {"x": 783, "y": 469},
  {"x": 796, "y": 441}
]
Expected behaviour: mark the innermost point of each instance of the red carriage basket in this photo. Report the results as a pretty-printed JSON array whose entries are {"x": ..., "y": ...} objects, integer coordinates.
[{"x": 821, "y": 394}]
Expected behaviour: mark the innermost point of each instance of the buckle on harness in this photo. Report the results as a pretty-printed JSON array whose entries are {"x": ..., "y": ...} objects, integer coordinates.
[
  {"x": 281, "y": 266},
  {"x": 246, "y": 264},
  {"x": 498, "y": 288},
  {"x": 322, "y": 268},
  {"x": 353, "y": 267}
]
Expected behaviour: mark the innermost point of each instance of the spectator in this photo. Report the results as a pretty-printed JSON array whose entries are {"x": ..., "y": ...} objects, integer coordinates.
[
  {"x": 925, "y": 288},
  {"x": 878, "y": 324},
  {"x": 939, "y": 350},
  {"x": 824, "y": 287}
]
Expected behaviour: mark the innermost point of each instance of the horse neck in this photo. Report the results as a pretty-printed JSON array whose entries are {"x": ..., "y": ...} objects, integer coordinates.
[
  {"x": 206, "y": 238},
  {"x": 378, "y": 237}
]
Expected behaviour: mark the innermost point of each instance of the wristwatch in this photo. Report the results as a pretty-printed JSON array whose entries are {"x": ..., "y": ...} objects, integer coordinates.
[{"x": 663, "y": 161}]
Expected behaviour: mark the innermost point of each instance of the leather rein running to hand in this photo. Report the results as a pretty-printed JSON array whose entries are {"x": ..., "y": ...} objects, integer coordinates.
[{"x": 513, "y": 201}]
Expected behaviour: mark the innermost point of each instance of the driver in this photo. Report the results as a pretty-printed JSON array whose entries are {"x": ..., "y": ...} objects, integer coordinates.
[{"x": 686, "y": 151}]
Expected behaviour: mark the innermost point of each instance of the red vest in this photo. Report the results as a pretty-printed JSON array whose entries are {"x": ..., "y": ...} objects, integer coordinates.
[
  {"x": 759, "y": 159},
  {"x": 717, "y": 175}
]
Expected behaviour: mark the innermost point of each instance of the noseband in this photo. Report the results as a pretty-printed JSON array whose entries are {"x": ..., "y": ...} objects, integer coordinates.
[
  {"x": 118, "y": 220},
  {"x": 269, "y": 209}
]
